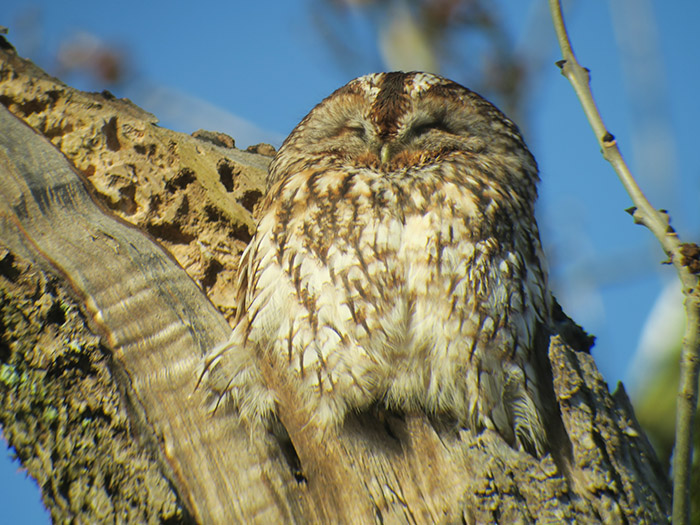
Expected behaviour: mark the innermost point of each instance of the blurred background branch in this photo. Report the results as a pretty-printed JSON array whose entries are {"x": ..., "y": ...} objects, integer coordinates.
[{"x": 466, "y": 40}]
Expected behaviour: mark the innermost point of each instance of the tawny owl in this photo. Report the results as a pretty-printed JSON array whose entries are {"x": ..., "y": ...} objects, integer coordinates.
[{"x": 396, "y": 262}]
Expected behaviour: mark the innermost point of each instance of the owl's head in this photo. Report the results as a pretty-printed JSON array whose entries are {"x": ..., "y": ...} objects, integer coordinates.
[{"x": 391, "y": 121}]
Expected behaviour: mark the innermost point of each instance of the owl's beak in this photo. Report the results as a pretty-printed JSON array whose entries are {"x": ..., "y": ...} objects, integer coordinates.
[{"x": 385, "y": 153}]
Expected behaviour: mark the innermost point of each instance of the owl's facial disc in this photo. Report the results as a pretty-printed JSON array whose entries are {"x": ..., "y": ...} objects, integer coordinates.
[{"x": 393, "y": 121}]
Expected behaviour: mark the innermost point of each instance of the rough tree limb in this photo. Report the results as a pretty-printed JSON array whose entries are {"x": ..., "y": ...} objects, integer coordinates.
[{"x": 107, "y": 302}]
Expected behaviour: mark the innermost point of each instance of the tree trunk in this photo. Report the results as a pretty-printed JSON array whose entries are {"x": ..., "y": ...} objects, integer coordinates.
[{"x": 119, "y": 242}]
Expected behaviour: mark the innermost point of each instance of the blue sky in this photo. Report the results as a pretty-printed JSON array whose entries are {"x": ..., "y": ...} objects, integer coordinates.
[{"x": 254, "y": 69}]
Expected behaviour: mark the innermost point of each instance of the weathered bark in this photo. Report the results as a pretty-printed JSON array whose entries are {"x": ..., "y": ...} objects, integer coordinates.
[{"x": 104, "y": 321}]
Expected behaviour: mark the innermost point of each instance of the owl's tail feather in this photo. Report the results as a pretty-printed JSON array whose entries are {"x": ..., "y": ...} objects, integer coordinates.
[
  {"x": 520, "y": 398},
  {"x": 529, "y": 429}
]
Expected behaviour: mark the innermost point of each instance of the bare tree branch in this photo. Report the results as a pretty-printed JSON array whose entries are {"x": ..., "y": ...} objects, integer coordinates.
[{"x": 684, "y": 258}]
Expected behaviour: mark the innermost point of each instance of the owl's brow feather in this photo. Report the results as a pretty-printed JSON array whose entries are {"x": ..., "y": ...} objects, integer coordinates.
[{"x": 390, "y": 104}]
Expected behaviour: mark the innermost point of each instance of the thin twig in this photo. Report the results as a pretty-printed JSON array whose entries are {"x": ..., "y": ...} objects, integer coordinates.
[{"x": 684, "y": 258}]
